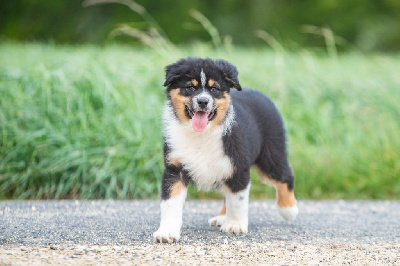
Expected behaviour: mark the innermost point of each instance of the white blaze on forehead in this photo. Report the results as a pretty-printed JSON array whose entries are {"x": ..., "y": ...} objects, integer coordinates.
[{"x": 203, "y": 78}]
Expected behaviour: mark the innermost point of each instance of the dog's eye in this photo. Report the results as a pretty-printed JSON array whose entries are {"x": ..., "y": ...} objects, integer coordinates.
[
  {"x": 190, "y": 88},
  {"x": 214, "y": 90}
]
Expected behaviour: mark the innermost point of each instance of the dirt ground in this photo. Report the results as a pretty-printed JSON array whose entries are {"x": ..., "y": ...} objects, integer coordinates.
[{"x": 228, "y": 253}]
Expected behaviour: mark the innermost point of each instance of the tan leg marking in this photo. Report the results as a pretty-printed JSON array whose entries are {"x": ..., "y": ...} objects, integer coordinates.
[
  {"x": 176, "y": 189},
  {"x": 219, "y": 220},
  {"x": 179, "y": 102},
  {"x": 173, "y": 161},
  {"x": 223, "y": 107},
  {"x": 223, "y": 210},
  {"x": 284, "y": 196}
]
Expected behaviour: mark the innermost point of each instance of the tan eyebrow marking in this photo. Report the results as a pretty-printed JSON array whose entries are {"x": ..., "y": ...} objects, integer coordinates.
[
  {"x": 195, "y": 82},
  {"x": 211, "y": 82}
]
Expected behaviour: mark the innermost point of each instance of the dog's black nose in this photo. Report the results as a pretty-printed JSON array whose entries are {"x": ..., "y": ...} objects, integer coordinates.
[{"x": 202, "y": 102}]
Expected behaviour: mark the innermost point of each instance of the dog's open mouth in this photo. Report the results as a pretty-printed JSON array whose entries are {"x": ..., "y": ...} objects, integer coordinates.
[{"x": 200, "y": 119}]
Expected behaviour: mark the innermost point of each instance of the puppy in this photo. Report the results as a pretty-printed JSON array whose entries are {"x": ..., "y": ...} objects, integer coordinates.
[{"x": 212, "y": 137}]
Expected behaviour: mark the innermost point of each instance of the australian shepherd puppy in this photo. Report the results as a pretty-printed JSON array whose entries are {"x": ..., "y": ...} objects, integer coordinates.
[{"x": 212, "y": 137}]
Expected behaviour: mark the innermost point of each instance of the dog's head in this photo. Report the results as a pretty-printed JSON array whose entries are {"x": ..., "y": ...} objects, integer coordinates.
[{"x": 199, "y": 90}]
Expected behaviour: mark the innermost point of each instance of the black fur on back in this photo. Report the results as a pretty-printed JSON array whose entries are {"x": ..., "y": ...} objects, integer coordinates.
[{"x": 258, "y": 137}]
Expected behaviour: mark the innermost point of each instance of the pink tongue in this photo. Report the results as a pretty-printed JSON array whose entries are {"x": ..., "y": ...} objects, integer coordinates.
[{"x": 199, "y": 121}]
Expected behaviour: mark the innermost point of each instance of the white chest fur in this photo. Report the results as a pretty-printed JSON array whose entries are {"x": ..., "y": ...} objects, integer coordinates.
[{"x": 200, "y": 153}]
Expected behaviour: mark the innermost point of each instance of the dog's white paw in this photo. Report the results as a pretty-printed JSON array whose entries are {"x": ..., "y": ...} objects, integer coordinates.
[
  {"x": 289, "y": 213},
  {"x": 217, "y": 220},
  {"x": 165, "y": 235},
  {"x": 234, "y": 227}
]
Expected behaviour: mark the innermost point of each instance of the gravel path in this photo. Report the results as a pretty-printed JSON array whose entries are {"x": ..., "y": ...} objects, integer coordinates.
[{"x": 103, "y": 232}]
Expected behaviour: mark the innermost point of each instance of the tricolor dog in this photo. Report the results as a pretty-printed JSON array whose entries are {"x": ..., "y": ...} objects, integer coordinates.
[{"x": 212, "y": 137}]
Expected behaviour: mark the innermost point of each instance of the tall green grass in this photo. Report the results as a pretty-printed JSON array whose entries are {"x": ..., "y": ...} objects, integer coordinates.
[{"x": 85, "y": 122}]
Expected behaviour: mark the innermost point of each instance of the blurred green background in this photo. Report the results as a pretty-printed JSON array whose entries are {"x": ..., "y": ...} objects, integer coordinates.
[
  {"x": 81, "y": 96},
  {"x": 366, "y": 24}
]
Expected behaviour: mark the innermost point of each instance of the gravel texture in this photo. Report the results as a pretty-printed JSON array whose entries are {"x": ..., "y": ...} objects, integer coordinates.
[
  {"x": 120, "y": 232},
  {"x": 238, "y": 252}
]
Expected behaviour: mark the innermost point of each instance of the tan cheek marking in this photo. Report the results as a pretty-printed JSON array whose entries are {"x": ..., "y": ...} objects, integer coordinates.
[
  {"x": 284, "y": 196},
  {"x": 195, "y": 82},
  {"x": 223, "y": 210},
  {"x": 179, "y": 102},
  {"x": 211, "y": 82},
  {"x": 223, "y": 107},
  {"x": 176, "y": 189}
]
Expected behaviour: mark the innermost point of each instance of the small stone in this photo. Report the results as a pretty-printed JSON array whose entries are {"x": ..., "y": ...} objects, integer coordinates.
[
  {"x": 53, "y": 247},
  {"x": 200, "y": 252},
  {"x": 73, "y": 257}
]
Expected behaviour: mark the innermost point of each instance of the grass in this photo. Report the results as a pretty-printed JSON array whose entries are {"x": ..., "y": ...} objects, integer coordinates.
[{"x": 84, "y": 122}]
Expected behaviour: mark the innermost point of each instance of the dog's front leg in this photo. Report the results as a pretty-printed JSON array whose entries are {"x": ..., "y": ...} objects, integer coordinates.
[
  {"x": 173, "y": 197},
  {"x": 237, "y": 208}
]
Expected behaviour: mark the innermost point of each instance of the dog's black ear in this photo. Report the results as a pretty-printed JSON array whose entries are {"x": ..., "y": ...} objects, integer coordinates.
[
  {"x": 169, "y": 77},
  {"x": 230, "y": 73},
  {"x": 173, "y": 72}
]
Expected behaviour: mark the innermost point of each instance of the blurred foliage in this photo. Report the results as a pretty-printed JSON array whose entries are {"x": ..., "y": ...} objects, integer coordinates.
[
  {"x": 84, "y": 121},
  {"x": 365, "y": 24}
]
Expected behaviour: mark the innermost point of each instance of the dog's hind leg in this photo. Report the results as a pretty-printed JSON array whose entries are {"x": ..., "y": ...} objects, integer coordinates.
[
  {"x": 220, "y": 218},
  {"x": 285, "y": 198}
]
